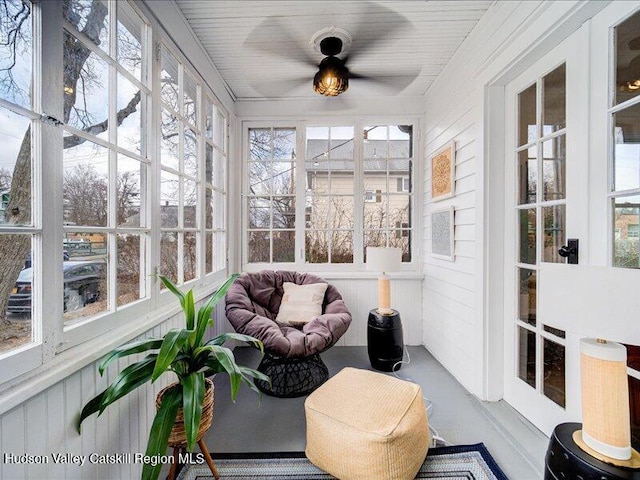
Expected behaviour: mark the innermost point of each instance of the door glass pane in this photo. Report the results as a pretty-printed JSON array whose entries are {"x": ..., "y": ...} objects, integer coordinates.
[
  {"x": 527, "y": 356},
  {"x": 554, "y": 101},
  {"x": 627, "y": 42},
  {"x": 626, "y": 219},
  {"x": 527, "y": 176},
  {"x": 527, "y": 131},
  {"x": 554, "y": 169},
  {"x": 527, "y": 232},
  {"x": 553, "y": 384},
  {"x": 554, "y": 220},
  {"x": 527, "y": 297},
  {"x": 627, "y": 148}
]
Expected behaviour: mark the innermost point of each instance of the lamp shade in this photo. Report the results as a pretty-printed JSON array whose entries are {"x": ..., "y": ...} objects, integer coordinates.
[
  {"x": 384, "y": 259},
  {"x": 605, "y": 398}
]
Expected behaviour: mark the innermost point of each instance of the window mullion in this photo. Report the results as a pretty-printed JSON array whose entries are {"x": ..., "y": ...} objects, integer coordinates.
[
  {"x": 301, "y": 193},
  {"x": 358, "y": 207},
  {"x": 48, "y": 91}
]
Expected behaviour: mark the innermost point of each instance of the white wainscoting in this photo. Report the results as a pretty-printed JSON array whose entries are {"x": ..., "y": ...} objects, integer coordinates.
[
  {"x": 45, "y": 423},
  {"x": 361, "y": 295}
]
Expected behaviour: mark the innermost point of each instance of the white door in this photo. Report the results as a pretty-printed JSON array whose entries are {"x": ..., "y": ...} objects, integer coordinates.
[{"x": 546, "y": 184}]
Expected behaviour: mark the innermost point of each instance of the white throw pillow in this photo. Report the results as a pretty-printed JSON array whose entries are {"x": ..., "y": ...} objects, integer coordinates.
[{"x": 301, "y": 303}]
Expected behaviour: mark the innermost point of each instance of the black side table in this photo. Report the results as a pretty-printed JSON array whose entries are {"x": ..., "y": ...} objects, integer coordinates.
[
  {"x": 384, "y": 340},
  {"x": 566, "y": 460}
]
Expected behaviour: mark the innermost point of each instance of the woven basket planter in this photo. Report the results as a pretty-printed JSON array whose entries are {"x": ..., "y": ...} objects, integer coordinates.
[{"x": 178, "y": 436}]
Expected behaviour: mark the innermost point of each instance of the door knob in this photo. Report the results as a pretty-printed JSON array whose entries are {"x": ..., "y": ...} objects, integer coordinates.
[
  {"x": 565, "y": 251},
  {"x": 570, "y": 251}
]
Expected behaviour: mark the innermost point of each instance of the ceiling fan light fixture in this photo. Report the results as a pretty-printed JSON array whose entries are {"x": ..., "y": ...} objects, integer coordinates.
[{"x": 332, "y": 78}]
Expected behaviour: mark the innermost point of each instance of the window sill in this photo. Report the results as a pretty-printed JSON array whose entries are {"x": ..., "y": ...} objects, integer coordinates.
[
  {"x": 335, "y": 274},
  {"x": 64, "y": 364}
]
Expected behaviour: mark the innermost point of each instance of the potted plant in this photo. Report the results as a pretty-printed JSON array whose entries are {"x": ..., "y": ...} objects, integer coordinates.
[{"x": 185, "y": 353}]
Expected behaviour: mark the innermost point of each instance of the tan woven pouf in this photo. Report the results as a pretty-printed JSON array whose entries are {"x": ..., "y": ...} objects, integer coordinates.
[{"x": 366, "y": 425}]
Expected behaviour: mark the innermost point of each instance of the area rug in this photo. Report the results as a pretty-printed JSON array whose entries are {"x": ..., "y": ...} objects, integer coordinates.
[{"x": 464, "y": 462}]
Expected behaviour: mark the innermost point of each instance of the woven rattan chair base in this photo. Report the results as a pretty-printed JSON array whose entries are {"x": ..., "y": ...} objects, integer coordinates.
[{"x": 292, "y": 377}]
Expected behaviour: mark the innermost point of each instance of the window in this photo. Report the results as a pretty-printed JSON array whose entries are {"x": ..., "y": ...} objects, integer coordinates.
[
  {"x": 123, "y": 212},
  {"x": 625, "y": 131},
  {"x": 20, "y": 231},
  {"x": 329, "y": 163},
  {"x": 388, "y": 162},
  {"x": 271, "y": 194},
  {"x": 357, "y": 192},
  {"x": 105, "y": 153}
]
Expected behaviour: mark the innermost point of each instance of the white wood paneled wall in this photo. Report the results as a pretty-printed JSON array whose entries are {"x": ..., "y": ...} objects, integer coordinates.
[
  {"x": 361, "y": 295},
  {"x": 45, "y": 424},
  {"x": 456, "y": 329}
]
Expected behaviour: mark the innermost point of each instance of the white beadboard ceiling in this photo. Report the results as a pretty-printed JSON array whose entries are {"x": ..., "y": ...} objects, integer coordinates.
[{"x": 263, "y": 49}]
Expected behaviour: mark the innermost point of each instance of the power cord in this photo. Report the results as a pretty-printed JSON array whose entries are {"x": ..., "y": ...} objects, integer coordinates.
[{"x": 435, "y": 439}]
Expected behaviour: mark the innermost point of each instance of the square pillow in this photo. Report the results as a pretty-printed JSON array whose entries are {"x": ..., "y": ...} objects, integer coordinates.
[{"x": 301, "y": 303}]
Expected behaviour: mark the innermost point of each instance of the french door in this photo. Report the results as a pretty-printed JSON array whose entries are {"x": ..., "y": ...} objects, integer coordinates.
[{"x": 546, "y": 185}]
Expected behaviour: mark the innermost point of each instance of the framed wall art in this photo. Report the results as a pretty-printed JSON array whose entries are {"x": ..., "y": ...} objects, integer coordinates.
[
  {"x": 442, "y": 234},
  {"x": 443, "y": 165}
]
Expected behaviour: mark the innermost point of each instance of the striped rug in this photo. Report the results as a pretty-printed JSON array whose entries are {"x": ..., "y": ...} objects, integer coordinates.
[{"x": 464, "y": 462}]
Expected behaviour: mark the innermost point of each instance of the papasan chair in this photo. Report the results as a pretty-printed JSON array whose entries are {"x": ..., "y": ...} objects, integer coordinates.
[{"x": 292, "y": 349}]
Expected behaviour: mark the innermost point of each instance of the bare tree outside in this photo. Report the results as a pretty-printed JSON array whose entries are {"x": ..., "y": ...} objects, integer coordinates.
[{"x": 82, "y": 78}]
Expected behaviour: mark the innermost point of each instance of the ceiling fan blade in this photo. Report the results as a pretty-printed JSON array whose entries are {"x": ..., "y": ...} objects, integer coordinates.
[
  {"x": 275, "y": 88},
  {"x": 367, "y": 38},
  {"x": 273, "y": 37},
  {"x": 390, "y": 83}
]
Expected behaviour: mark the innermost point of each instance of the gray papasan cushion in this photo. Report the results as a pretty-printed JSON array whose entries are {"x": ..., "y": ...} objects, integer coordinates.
[{"x": 253, "y": 302}]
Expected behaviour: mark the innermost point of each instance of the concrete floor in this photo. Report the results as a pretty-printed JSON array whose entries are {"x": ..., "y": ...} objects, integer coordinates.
[{"x": 278, "y": 425}]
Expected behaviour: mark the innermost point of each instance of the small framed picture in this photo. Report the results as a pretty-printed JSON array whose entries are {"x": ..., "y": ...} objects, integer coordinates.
[
  {"x": 443, "y": 166},
  {"x": 442, "y": 234}
]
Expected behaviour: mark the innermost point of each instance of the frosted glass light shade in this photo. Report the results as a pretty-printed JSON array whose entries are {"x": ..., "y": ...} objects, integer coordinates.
[{"x": 384, "y": 259}]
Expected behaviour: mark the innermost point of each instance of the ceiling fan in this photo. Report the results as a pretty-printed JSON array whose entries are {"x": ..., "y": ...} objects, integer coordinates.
[{"x": 339, "y": 48}]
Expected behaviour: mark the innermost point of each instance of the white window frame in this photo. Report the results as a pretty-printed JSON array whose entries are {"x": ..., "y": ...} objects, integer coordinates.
[
  {"x": 64, "y": 347},
  {"x": 359, "y": 192},
  {"x": 612, "y": 134}
]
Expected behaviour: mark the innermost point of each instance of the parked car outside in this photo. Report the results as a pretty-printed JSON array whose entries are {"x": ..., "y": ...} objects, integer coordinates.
[
  {"x": 27, "y": 262},
  {"x": 81, "y": 286}
]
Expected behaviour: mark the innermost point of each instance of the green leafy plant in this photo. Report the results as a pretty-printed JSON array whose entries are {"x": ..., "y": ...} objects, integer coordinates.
[{"x": 185, "y": 353}]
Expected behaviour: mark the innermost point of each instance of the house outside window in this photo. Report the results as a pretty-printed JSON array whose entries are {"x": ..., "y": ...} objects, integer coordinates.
[{"x": 357, "y": 192}]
